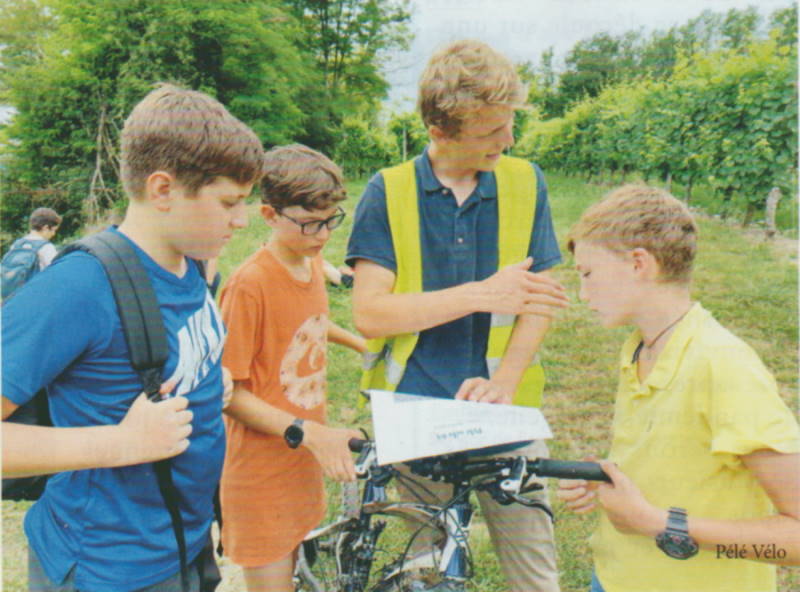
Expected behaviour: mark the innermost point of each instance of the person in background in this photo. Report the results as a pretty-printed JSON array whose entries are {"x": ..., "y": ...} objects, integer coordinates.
[{"x": 30, "y": 254}]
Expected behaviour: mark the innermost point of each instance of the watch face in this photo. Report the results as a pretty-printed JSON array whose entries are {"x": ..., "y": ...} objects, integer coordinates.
[
  {"x": 678, "y": 546},
  {"x": 293, "y": 436}
]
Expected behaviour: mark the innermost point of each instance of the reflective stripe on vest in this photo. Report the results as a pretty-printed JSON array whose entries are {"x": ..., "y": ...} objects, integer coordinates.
[{"x": 385, "y": 360}]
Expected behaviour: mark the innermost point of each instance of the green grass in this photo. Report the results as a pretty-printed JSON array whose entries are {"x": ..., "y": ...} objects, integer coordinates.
[{"x": 751, "y": 288}]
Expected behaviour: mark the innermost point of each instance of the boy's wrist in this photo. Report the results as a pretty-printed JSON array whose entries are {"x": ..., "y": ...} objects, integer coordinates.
[
  {"x": 479, "y": 297},
  {"x": 312, "y": 433},
  {"x": 655, "y": 522},
  {"x": 113, "y": 446},
  {"x": 505, "y": 384}
]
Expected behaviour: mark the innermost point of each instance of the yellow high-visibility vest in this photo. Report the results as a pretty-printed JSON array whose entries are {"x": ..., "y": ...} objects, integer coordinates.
[{"x": 385, "y": 360}]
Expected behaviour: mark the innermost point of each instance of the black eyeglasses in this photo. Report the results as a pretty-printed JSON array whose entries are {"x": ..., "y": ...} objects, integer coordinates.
[{"x": 314, "y": 226}]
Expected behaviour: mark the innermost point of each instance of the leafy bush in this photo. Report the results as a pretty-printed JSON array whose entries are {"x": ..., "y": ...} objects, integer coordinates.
[
  {"x": 362, "y": 148},
  {"x": 727, "y": 119}
]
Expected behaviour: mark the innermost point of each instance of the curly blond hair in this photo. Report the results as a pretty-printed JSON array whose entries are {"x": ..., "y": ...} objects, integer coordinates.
[
  {"x": 461, "y": 78},
  {"x": 639, "y": 216}
]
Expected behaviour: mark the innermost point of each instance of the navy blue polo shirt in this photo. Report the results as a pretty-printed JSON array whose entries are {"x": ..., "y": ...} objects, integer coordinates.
[{"x": 459, "y": 245}]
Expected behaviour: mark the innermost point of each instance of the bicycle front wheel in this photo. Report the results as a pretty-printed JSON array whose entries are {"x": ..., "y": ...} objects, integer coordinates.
[
  {"x": 338, "y": 557},
  {"x": 413, "y": 552},
  {"x": 420, "y": 574},
  {"x": 345, "y": 556},
  {"x": 318, "y": 561}
]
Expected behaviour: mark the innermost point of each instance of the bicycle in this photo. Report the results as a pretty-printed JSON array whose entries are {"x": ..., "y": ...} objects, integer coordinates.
[{"x": 344, "y": 556}]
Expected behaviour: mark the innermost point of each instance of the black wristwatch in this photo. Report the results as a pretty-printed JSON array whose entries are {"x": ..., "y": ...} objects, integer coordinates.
[
  {"x": 294, "y": 433},
  {"x": 675, "y": 540}
]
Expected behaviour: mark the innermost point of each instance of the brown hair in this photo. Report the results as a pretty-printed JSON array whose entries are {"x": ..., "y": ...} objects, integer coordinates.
[
  {"x": 189, "y": 135},
  {"x": 638, "y": 216},
  {"x": 296, "y": 175},
  {"x": 462, "y": 77},
  {"x": 44, "y": 218}
]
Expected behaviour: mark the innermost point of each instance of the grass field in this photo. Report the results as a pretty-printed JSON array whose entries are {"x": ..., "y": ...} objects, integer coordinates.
[{"x": 750, "y": 286}]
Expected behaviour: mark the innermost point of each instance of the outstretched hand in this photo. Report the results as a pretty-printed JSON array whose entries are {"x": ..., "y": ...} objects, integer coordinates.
[{"x": 516, "y": 290}]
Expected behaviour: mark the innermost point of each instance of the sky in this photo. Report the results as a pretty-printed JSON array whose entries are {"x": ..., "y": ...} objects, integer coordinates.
[{"x": 523, "y": 29}]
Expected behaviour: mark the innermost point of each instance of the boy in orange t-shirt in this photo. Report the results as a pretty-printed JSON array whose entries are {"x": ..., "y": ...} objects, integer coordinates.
[{"x": 276, "y": 309}]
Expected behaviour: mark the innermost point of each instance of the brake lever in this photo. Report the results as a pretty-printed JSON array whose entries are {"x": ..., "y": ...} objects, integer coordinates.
[
  {"x": 513, "y": 483},
  {"x": 530, "y": 503},
  {"x": 366, "y": 460}
]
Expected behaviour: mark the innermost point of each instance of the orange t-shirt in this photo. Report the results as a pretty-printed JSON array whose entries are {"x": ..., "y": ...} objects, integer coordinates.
[{"x": 272, "y": 496}]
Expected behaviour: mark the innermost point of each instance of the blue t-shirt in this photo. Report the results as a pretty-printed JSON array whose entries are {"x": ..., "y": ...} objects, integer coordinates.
[
  {"x": 459, "y": 245},
  {"x": 62, "y": 331}
]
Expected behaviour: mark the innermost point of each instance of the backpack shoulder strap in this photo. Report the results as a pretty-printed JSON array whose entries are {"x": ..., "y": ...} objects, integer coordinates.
[
  {"x": 213, "y": 285},
  {"x": 147, "y": 344},
  {"x": 26, "y": 244},
  {"x": 33, "y": 243},
  {"x": 136, "y": 301}
]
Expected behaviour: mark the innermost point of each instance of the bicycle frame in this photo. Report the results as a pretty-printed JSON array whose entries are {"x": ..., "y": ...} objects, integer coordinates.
[
  {"x": 454, "y": 520},
  {"x": 353, "y": 538}
]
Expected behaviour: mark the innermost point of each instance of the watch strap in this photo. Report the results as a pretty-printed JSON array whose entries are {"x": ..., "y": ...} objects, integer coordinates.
[
  {"x": 677, "y": 521},
  {"x": 674, "y": 540}
]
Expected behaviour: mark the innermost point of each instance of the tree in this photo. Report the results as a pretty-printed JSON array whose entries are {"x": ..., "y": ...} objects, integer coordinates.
[
  {"x": 291, "y": 69},
  {"x": 739, "y": 28},
  {"x": 348, "y": 40},
  {"x": 25, "y": 25},
  {"x": 658, "y": 55},
  {"x": 727, "y": 119},
  {"x": 363, "y": 148},
  {"x": 595, "y": 63},
  {"x": 783, "y": 25},
  {"x": 700, "y": 34},
  {"x": 101, "y": 56},
  {"x": 409, "y": 133}
]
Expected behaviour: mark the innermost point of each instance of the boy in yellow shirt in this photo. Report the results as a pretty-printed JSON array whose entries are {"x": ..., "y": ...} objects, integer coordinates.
[{"x": 704, "y": 457}]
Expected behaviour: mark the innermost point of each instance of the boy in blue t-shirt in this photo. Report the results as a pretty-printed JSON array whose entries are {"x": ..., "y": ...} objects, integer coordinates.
[{"x": 101, "y": 525}]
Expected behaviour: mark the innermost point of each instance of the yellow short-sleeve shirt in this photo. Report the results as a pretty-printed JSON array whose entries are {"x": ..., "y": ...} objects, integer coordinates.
[{"x": 679, "y": 436}]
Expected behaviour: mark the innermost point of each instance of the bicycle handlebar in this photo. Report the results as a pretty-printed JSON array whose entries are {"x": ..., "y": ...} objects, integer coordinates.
[
  {"x": 569, "y": 469},
  {"x": 542, "y": 467},
  {"x": 356, "y": 444}
]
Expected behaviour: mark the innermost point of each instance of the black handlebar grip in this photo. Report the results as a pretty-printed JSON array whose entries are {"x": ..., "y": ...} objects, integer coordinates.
[
  {"x": 356, "y": 444},
  {"x": 570, "y": 469}
]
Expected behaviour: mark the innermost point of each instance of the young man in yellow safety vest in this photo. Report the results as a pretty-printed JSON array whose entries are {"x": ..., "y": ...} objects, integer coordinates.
[{"x": 449, "y": 252}]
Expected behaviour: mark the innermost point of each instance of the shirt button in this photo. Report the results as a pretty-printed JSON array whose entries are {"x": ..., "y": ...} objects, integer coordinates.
[{"x": 459, "y": 240}]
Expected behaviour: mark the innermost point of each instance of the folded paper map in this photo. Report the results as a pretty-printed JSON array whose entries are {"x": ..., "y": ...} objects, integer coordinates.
[{"x": 411, "y": 426}]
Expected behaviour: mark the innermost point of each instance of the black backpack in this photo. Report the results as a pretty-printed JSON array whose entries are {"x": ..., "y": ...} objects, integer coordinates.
[
  {"x": 146, "y": 337},
  {"x": 20, "y": 264}
]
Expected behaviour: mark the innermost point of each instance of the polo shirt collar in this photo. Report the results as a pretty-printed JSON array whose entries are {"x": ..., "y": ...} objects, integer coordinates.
[
  {"x": 487, "y": 184},
  {"x": 669, "y": 359}
]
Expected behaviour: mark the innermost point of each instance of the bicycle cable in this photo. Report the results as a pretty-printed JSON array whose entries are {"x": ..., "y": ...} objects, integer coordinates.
[{"x": 432, "y": 520}]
